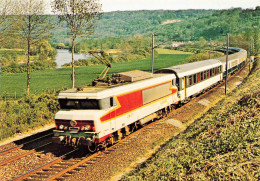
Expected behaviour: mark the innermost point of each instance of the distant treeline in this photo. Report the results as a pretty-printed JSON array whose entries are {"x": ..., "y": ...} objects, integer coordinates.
[{"x": 190, "y": 24}]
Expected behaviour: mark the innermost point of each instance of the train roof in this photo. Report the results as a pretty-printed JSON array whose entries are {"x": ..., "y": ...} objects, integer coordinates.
[
  {"x": 191, "y": 68},
  {"x": 233, "y": 56},
  {"x": 102, "y": 91}
]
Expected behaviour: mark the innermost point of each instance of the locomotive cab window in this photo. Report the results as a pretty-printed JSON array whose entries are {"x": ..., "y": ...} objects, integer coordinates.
[{"x": 79, "y": 104}]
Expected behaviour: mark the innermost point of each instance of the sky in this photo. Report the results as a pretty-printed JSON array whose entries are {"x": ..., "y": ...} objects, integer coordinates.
[{"x": 123, "y": 5}]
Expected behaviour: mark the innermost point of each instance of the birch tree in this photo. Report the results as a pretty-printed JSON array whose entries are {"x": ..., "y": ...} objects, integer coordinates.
[
  {"x": 80, "y": 16},
  {"x": 5, "y": 11},
  {"x": 32, "y": 25}
]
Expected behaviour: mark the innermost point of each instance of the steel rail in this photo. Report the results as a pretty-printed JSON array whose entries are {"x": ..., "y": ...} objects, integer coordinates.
[
  {"x": 20, "y": 146},
  {"x": 23, "y": 155},
  {"x": 58, "y": 175},
  {"x": 25, "y": 175}
]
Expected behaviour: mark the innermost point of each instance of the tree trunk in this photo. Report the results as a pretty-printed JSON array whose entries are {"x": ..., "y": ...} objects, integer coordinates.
[
  {"x": 28, "y": 69},
  {"x": 73, "y": 68},
  {"x": 28, "y": 58}
]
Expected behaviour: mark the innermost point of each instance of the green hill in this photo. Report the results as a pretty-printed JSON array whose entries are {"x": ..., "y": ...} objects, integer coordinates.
[{"x": 181, "y": 25}]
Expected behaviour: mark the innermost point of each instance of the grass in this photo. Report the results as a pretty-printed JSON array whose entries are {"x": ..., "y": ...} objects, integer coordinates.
[
  {"x": 14, "y": 85},
  {"x": 223, "y": 144},
  {"x": 172, "y": 52}
]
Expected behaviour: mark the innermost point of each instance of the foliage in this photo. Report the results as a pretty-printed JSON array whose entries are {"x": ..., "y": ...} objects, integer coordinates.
[
  {"x": 27, "y": 113},
  {"x": 117, "y": 49},
  {"x": 32, "y": 26},
  {"x": 45, "y": 51},
  {"x": 80, "y": 16},
  {"x": 20, "y": 68},
  {"x": 221, "y": 145},
  {"x": 203, "y": 56}
]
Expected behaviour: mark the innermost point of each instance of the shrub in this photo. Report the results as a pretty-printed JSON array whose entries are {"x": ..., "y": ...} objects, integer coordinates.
[{"x": 27, "y": 113}]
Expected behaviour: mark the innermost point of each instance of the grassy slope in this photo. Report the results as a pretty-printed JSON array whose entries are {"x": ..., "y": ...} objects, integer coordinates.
[
  {"x": 221, "y": 145},
  {"x": 12, "y": 84}
]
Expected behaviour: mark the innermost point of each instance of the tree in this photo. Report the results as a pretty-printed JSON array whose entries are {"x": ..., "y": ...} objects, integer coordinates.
[
  {"x": 80, "y": 16},
  {"x": 32, "y": 25},
  {"x": 5, "y": 11}
]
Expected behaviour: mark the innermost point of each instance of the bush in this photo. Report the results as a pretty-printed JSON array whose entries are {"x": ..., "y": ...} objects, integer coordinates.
[
  {"x": 27, "y": 113},
  {"x": 20, "y": 68}
]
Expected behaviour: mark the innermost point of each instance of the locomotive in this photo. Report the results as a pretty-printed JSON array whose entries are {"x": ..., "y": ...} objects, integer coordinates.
[{"x": 100, "y": 115}]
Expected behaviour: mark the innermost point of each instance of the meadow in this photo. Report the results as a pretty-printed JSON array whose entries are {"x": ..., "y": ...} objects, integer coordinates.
[{"x": 14, "y": 85}]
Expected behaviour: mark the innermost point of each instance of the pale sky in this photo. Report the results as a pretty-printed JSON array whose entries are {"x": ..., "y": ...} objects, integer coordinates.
[{"x": 122, "y": 5}]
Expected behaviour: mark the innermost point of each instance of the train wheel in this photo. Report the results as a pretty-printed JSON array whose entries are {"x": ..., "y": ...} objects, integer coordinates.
[
  {"x": 134, "y": 127},
  {"x": 92, "y": 148}
]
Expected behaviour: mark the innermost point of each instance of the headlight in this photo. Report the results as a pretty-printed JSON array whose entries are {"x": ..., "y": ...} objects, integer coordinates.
[
  {"x": 87, "y": 128},
  {"x": 61, "y": 126}
]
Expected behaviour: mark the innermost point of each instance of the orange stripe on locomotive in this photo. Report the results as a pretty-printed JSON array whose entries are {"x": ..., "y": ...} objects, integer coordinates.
[{"x": 134, "y": 100}]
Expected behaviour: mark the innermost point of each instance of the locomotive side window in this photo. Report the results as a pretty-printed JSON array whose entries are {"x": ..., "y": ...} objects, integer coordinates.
[
  {"x": 112, "y": 102},
  {"x": 173, "y": 82}
]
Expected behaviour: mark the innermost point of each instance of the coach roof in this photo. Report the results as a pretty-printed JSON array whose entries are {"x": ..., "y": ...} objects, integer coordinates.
[{"x": 191, "y": 68}]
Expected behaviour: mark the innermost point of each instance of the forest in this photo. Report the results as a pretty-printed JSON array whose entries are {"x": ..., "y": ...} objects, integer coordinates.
[{"x": 189, "y": 25}]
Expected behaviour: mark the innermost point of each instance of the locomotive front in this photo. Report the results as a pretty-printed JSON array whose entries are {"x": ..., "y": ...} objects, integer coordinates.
[{"x": 78, "y": 121}]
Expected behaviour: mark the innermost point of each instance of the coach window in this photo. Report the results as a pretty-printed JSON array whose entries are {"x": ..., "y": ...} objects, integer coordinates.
[
  {"x": 201, "y": 75},
  {"x": 198, "y": 77},
  {"x": 205, "y": 74},
  {"x": 194, "y": 79},
  {"x": 190, "y": 81}
]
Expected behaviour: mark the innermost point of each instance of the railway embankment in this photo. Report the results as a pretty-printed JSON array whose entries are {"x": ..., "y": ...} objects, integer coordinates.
[{"x": 221, "y": 144}]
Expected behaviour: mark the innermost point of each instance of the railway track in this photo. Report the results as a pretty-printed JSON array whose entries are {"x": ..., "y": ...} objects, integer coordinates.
[
  {"x": 71, "y": 163},
  {"x": 56, "y": 168}
]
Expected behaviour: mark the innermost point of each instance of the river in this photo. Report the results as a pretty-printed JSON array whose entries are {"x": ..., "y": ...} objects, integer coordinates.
[{"x": 64, "y": 56}]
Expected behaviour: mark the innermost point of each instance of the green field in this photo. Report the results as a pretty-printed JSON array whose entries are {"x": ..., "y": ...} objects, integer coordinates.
[
  {"x": 15, "y": 84},
  {"x": 168, "y": 51}
]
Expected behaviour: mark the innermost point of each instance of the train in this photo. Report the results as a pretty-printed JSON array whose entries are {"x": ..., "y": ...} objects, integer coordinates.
[{"x": 99, "y": 115}]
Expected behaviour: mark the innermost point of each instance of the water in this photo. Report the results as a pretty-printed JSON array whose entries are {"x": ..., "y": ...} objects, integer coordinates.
[{"x": 64, "y": 56}]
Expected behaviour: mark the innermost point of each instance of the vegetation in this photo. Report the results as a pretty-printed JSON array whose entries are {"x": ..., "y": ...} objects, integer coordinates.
[
  {"x": 42, "y": 55},
  {"x": 29, "y": 112},
  {"x": 221, "y": 145},
  {"x": 192, "y": 24},
  {"x": 116, "y": 49}
]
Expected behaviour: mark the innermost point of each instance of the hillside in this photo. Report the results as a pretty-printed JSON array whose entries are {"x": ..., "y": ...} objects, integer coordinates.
[
  {"x": 221, "y": 145},
  {"x": 189, "y": 25}
]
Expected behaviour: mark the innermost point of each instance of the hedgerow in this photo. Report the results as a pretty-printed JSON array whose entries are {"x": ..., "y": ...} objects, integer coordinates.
[{"x": 27, "y": 113}]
